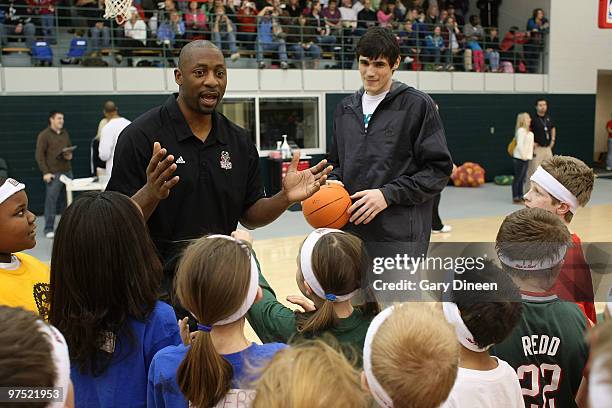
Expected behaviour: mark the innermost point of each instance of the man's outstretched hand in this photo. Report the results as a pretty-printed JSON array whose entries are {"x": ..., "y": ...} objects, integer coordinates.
[
  {"x": 299, "y": 185},
  {"x": 159, "y": 173}
]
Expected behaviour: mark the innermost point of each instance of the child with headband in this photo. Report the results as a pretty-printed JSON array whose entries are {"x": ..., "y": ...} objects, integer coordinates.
[
  {"x": 105, "y": 277},
  {"x": 33, "y": 354},
  {"x": 482, "y": 319},
  {"x": 312, "y": 374},
  {"x": 216, "y": 281},
  {"x": 410, "y": 357},
  {"x": 561, "y": 185},
  {"x": 547, "y": 348},
  {"x": 24, "y": 280},
  {"x": 331, "y": 266}
]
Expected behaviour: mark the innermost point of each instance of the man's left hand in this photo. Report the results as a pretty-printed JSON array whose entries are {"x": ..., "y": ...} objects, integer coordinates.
[
  {"x": 369, "y": 203},
  {"x": 67, "y": 156},
  {"x": 299, "y": 185}
]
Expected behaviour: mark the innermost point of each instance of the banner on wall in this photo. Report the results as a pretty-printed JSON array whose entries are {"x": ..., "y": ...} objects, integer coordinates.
[{"x": 605, "y": 13}]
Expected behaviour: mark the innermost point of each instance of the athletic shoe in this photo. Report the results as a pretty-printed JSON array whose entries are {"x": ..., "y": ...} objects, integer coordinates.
[
  {"x": 408, "y": 59},
  {"x": 445, "y": 229},
  {"x": 50, "y": 235},
  {"x": 262, "y": 65},
  {"x": 284, "y": 65},
  {"x": 235, "y": 56}
]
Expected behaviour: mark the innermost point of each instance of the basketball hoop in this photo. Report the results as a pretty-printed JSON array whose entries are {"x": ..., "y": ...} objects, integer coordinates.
[{"x": 117, "y": 9}]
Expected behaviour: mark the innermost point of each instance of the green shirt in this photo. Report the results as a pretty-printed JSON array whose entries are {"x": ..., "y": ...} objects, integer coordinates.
[
  {"x": 548, "y": 351},
  {"x": 274, "y": 322}
]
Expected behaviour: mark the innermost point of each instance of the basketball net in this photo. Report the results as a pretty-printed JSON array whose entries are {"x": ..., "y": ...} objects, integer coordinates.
[{"x": 117, "y": 9}]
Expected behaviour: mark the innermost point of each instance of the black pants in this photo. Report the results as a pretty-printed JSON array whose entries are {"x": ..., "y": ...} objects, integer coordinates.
[
  {"x": 520, "y": 170},
  {"x": 436, "y": 222}
]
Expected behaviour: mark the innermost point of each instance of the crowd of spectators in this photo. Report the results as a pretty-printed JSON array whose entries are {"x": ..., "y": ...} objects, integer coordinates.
[{"x": 433, "y": 34}]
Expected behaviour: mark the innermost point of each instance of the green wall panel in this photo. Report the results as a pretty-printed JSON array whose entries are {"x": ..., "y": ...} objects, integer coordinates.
[{"x": 467, "y": 121}]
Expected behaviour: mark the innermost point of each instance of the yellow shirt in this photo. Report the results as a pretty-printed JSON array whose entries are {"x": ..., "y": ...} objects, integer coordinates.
[{"x": 26, "y": 284}]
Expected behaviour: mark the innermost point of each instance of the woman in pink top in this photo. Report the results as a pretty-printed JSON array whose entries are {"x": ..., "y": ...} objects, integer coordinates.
[
  {"x": 195, "y": 21},
  {"x": 386, "y": 14}
]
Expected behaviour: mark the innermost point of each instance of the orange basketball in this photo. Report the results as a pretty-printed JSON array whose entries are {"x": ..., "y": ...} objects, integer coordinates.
[{"x": 327, "y": 207}]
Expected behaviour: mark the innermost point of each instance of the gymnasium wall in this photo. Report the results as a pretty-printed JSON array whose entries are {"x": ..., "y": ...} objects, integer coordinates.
[{"x": 469, "y": 121}]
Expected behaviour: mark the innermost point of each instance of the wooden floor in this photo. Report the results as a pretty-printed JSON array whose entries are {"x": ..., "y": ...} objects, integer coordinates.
[{"x": 278, "y": 256}]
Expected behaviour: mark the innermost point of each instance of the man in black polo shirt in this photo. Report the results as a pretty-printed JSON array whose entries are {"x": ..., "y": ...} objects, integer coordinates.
[
  {"x": 544, "y": 134},
  {"x": 209, "y": 163}
]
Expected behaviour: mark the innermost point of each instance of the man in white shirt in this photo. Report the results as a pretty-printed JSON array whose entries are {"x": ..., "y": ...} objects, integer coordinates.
[{"x": 110, "y": 135}]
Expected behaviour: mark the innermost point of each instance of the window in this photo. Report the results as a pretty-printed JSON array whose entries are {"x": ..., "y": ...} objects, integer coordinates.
[
  {"x": 298, "y": 118},
  {"x": 241, "y": 111}
]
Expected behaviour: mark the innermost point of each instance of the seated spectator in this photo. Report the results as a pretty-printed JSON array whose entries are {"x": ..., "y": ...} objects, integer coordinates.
[
  {"x": 349, "y": 33},
  {"x": 134, "y": 34},
  {"x": 443, "y": 16},
  {"x": 537, "y": 26},
  {"x": 302, "y": 42},
  {"x": 223, "y": 28},
  {"x": 386, "y": 14},
  {"x": 332, "y": 17},
  {"x": 408, "y": 41},
  {"x": 507, "y": 48},
  {"x": 434, "y": 44},
  {"x": 432, "y": 17},
  {"x": 473, "y": 30},
  {"x": 17, "y": 26},
  {"x": 315, "y": 20},
  {"x": 418, "y": 24},
  {"x": 247, "y": 24},
  {"x": 171, "y": 31},
  {"x": 474, "y": 34},
  {"x": 491, "y": 45},
  {"x": 268, "y": 38},
  {"x": 294, "y": 8},
  {"x": 451, "y": 13},
  {"x": 454, "y": 41},
  {"x": 366, "y": 17},
  {"x": 78, "y": 48},
  {"x": 196, "y": 21},
  {"x": 46, "y": 12}
]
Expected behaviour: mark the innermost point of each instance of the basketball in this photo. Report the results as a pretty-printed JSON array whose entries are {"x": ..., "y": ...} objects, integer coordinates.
[{"x": 327, "y": 207}]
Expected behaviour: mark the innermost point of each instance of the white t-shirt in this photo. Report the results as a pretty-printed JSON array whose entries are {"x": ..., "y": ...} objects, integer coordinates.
[
  {"x": 369, "y": 104},
  {"x": 348, "y": 14},
  {"x": 108, "y": 141},
  {"x": 486, "y": 389},
  {"x": 524, "y": 144}
]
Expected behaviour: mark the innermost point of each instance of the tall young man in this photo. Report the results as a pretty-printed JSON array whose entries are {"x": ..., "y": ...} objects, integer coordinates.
[{"x": 389, "y": 148}]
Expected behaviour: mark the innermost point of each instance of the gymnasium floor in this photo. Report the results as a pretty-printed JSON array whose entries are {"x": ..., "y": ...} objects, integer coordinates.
[{"x": 474, "y": 213}]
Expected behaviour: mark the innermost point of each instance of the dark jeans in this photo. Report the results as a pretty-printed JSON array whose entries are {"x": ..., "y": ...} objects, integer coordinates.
[
  {"x": 55, "y": 200},
  {"x": 520, "y": 170}
]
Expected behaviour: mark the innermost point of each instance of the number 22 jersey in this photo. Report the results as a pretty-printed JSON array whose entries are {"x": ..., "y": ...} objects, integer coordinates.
[{"x": 547, "y": 350}]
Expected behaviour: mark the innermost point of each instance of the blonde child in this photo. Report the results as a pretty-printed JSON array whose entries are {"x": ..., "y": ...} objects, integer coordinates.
[
  {"x": 309, "y": 375},
  {"x": 34, "y": 354},
  {"x": 24, "y": 280},
  {"x": 561, "y": 185},
  {"x": 547, "y": 347},
  {"x": 331, "y": 266},
  {"x": 410, "y": 357},
  {"x": 216, "y": 281}
]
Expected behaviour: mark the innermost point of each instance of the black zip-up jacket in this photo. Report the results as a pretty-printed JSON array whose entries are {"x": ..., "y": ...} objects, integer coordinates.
[{"x": 403, "y": 153}]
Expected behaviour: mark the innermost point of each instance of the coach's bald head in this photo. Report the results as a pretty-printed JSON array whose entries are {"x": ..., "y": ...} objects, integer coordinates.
[
  {"x": 110, "y": 107},
  {"x": 201, "y": 76}
]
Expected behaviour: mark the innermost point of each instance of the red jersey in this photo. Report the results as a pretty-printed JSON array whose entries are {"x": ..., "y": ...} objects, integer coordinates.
[
  {"x": 608, "y": 127},
  {"x": 574, "y": 282}
]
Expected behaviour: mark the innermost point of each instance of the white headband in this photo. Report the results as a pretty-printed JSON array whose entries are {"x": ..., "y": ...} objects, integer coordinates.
[
  {"x": 307, "y": 271},
  {"x": 10, "y": 188},
  {"x": 554, "y": 188},
  {"x": 253, "y": 286},
  {"x": 378, "y": 392},
  {"x": 61, "y": 360},
  {"x": 464, "y": 335},
  {"x": 531, "y": 265}
]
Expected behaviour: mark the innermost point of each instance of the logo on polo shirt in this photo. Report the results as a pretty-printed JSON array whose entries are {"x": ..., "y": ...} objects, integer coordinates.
[
  {"x": 180, "y": 160},
  {"x": 225, "y": 162}
]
